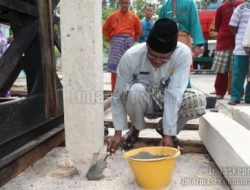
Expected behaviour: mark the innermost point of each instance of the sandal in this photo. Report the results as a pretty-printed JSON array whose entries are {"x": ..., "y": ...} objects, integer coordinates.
[
  {"x": 129, "y": 139},
  {"x": 233, "y": 102},
  {"x": 106, "y": 131},
  {"x": 160, "y": 131}
]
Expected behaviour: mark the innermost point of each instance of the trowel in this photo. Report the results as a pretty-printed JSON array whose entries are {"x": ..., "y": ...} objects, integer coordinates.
[{"x": 96, "y": 171}]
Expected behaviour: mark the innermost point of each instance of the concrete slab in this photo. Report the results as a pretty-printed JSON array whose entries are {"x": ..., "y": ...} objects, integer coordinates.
[
  {"x": 189, "y": 136},
  {"x": 189, "y": 141},
  {"x": 228, "y": 143},
  {"x": 240, "y": 112},
  {"x": 57, "y": 171}
]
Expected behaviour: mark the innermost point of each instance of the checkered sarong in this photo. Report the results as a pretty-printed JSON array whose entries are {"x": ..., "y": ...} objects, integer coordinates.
[
  {"x": 222, "y": 61},
  {"x": 119, "y": 45},
  {"x": 193, "y": 104}
]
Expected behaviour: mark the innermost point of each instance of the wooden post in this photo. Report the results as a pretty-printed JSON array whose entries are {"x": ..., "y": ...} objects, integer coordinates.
[{"x": 48, "y": 61}]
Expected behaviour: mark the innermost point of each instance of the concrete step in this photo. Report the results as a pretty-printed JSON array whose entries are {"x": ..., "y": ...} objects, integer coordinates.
[
  {"x": 188, "y": 141},
  {"x": 227, "y": 142},
  {"x": 241, "y": 114}
]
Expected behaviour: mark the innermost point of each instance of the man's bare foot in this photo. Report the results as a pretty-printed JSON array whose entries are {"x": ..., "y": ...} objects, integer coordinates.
[{"x": 167, "y": 141}]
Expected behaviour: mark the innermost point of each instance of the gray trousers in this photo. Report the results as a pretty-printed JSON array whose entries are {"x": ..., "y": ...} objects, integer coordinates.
[{"x": 139, "y": 104}]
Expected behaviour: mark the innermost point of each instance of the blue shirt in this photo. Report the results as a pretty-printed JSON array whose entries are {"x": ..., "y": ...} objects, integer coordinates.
[
  {"x": 214, "y": 5},
  {"x": 146, "y": 27}
]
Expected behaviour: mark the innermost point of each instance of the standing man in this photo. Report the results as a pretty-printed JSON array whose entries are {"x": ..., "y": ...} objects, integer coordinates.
[
  {"x": 224, "y": 47},
  {"x": 152, "y": 78},
  {"x": 147, "y": 22},
  {"x": 122, "y": 28},
  {"x": 238, "y": 25},
  {"x": 185, "y": 14}
]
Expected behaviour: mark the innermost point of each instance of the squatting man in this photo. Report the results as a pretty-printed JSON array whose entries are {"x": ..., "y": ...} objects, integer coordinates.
[{"x": 152, "y": 79}]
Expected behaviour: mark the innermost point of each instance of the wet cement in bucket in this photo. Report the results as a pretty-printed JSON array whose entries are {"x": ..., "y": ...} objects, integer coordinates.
[{"x": 147, "y": 155}]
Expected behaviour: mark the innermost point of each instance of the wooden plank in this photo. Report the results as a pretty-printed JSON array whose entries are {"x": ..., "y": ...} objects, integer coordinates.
[
  {"x": 20, "y": 6},
  {"x": 54, "y": 4},
  {"x": 56, "y": 19},
  {"x": 4, "y": 18},
  {"x": 29, "y": 146},
  {"x": 18, "y": 140},
  {"x": 48, "y": 57},
  {"x": 33, "y": 71},
  {"x": 23, "y": 120},
  {"x": 49, "y": 141},
  {"x": 10, "y": 59}
]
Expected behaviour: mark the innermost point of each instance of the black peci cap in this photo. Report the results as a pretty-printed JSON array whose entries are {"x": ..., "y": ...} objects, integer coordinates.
[{"x": 163, "y": 36}]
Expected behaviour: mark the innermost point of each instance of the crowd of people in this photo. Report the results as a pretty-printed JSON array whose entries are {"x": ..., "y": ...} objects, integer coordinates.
[{"x": 151, "y": 78}]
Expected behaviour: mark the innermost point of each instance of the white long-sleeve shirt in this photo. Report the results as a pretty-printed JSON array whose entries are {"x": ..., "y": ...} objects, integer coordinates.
[
  {"x": 239, "y": 19},
  {"x": 134, "y": 61},
  {"x": 246, "y": 39}
]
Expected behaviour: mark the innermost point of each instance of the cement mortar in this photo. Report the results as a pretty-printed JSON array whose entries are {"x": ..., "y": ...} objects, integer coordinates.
[
  {"x": 146, "y": 155},
  {"x": 96, "y": 171}
]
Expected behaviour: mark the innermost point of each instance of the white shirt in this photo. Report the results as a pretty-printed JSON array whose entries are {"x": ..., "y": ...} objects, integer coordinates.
[
  {"x": 246, "y": 39},
  {"x": 134, "y": 61},
  {"x": 239, "y": 19}
]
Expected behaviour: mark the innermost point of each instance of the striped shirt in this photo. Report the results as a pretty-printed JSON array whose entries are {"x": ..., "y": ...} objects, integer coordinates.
[
  {"x": 240, "y": 19},
  {"x": 246, "y": 39}
]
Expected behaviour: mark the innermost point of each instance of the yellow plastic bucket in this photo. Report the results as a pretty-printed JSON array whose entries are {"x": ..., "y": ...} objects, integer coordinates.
[{"x": 152, "y": 173}]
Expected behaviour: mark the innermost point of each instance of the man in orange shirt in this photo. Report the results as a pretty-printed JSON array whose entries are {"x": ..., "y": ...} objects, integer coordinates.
[{"x": 122, "y": 28}]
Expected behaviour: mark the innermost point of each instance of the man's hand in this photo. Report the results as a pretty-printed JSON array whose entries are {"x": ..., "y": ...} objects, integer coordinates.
[
  {"x": 197, "y": 50},
  {"x": 114, "y": 142},
  {"x": 167, "y": 141}
]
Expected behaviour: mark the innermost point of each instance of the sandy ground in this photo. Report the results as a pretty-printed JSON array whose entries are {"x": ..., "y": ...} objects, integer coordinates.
[{"x": 56, "y": 172}]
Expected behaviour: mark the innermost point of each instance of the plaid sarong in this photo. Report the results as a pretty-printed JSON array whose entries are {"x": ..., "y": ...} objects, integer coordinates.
[
  {"x": 222, "y": 61},
  {"x": 119, "y": 45},
  {"x": 193, "y": 104}
]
